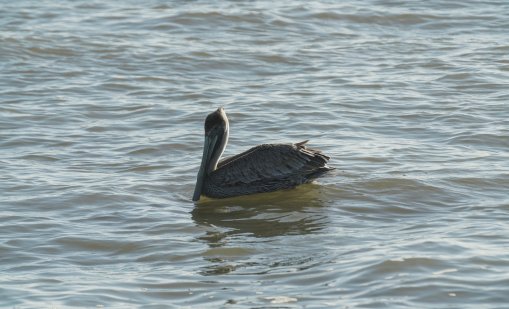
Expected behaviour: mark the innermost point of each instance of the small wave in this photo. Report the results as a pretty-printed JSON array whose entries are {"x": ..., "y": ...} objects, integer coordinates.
[
  {"x": 491, "y": 140},
  {"x": 380, "y": 19},
  {"x": 52, "y": 51},
  {"x": 34, "y": 157}
]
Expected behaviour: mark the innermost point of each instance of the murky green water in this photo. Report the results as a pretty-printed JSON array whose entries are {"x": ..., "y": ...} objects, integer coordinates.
[{"x": 101, "y": 115}]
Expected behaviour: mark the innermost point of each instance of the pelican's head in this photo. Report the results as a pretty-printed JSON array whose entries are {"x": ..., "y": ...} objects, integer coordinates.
[
  {"x": 216, "y": 123},
  {"x": 216, "y": 137}
]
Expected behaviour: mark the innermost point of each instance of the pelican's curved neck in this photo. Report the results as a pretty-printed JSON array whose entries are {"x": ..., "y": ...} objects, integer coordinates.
[{"x": 218, "y": 148}]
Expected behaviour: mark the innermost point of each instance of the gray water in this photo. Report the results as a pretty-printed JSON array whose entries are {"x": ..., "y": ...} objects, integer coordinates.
[{"x": 101, "y": 129}]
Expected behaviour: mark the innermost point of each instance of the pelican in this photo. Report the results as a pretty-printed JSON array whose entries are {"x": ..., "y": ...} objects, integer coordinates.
[{"x": 263, "y": 168}]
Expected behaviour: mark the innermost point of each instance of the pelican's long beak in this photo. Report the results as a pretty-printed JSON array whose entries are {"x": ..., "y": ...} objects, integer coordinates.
[{"x": 208, "y": 149}]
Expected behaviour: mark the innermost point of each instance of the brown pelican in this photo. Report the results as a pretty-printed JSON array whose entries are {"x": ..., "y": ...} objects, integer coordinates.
[{"x": 264, "y": 168}]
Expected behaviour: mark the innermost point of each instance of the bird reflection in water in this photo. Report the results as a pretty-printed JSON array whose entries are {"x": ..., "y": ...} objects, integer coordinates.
[
  {"x": 291, "y": 212},
  {"x": 281, "y": 213}
]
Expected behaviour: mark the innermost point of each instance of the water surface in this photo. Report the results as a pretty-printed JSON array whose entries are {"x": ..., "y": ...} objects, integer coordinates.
[{"x": 101, "y": 116}]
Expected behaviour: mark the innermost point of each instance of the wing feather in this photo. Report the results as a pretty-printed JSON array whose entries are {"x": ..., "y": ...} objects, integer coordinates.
[{"x": 268, "y": 163}]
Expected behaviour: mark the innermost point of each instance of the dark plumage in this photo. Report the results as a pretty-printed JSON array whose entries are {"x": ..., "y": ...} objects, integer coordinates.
[{"x": 264, "y": 168}]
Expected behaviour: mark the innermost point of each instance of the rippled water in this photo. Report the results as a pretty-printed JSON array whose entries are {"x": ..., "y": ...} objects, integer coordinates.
[{"x": 101, "y": 116}]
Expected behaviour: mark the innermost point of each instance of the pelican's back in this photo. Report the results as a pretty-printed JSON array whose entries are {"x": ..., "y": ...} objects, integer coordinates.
[{"x": 266, "y": 168}]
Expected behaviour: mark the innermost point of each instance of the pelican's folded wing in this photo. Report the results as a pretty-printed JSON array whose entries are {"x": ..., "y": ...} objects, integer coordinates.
[{"x": 271, "y": 162}]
